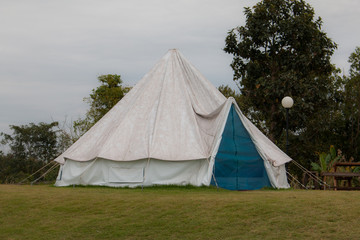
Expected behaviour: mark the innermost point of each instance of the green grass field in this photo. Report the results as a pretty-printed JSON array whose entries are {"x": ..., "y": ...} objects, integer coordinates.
[{"x": 47, "y": 212}]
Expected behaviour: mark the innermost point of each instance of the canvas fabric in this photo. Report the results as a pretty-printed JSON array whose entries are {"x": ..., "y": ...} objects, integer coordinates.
[{"x": 168, "y": 126}]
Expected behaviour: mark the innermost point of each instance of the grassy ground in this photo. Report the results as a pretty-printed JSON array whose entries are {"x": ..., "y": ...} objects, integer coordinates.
[{"x": 47, "y": 212}]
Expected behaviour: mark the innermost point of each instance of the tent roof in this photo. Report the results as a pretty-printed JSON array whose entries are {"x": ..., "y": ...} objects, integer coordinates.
[{"x": 169, "y": 115}]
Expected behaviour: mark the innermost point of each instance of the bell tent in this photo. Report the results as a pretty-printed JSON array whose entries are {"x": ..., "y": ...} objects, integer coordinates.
[{"x": 174, "y": 127}]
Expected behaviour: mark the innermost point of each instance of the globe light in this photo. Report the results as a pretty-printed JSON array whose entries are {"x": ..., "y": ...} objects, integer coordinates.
[{"x": 287, "y": 102}]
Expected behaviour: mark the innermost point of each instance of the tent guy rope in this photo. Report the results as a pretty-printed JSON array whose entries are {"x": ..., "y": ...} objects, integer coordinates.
[
  {"x": 312, "y": 175},
  {"x": 49, "y": 170},
  {"x": 46, "y": 165}
]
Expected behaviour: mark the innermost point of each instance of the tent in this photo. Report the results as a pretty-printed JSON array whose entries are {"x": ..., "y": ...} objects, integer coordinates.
[{"x": 174, "y": 127}]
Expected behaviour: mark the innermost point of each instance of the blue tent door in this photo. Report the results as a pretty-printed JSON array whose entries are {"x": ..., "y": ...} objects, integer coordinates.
[{"x": 238, "y": 165}]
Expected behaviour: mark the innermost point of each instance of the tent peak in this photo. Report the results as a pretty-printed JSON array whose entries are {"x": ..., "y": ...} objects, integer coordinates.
[{"x": 173, "y": 50}]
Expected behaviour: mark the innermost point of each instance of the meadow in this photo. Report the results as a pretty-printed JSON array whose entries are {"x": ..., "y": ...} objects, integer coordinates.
[{"x": 48, "y": 212}]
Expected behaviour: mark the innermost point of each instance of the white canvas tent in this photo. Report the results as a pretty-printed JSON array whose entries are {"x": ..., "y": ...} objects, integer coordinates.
[{"x": 174, "y": 127}]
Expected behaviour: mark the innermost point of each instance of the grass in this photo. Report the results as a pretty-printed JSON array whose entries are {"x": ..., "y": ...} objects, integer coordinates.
[{"x": 47, "y": 212}]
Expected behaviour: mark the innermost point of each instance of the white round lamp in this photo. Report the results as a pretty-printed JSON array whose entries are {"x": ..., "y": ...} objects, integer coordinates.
[{"x": 287, "y": 102}]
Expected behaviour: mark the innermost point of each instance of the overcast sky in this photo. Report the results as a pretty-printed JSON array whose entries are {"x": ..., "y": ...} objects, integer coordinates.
[{"x": 51, "y": 52}]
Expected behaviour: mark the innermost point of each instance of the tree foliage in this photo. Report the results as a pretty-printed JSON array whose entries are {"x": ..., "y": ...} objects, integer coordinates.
[
  {"x": 354, "y": 61},
  {"x": 31, "y": 147},
  {"x": 282, "y": 51},
  {"x": 326, "y": 161},
  {"x": 33, "y": 141},
  {"x": 101, "y": 100},
  {"x": 351, "y": 106}
]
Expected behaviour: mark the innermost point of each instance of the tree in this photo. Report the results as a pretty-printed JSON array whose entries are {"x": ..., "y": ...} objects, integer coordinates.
[
  {"x": 31, "y": 147},
  {"x": 351, "y": 107},
  {"x": 33, "y": 141},
  {"x": 282, "y": 51},
  {"x": 14, "y": 169},
  {"x": 354, "y": 61},
  {"x": 101, "y": 100}
]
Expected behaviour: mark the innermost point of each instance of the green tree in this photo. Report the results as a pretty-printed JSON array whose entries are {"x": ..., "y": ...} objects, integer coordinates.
[
  {"x": 33, "y": 141},
  {"x": 14, "y": 169},
  {"x": 101, "y": 100},
  {"x": 31, "y": 147},
  {"x": 282, "y": 51},
  {"x": 351, "y": 107},
  {"x": 354, "y": 60}
]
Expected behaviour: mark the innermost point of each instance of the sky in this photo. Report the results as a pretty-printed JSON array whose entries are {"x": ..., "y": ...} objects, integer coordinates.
[{"x": 51, "y": 52}]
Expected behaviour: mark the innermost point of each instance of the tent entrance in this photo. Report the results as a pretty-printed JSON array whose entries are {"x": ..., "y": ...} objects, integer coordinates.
[{"x": 238, "y": 165}]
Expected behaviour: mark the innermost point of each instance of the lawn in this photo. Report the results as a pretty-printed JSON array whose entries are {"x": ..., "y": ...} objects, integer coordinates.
[{"x": 47, "y": 212}]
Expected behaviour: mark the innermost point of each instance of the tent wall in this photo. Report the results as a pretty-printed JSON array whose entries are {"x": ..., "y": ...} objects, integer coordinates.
[
  {"x": 144, "y": 172},
  {"x": 238, "y": 165}
]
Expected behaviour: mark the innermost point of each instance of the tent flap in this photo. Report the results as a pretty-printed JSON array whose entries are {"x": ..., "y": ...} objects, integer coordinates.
[{"x": 238, "y": 165}]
